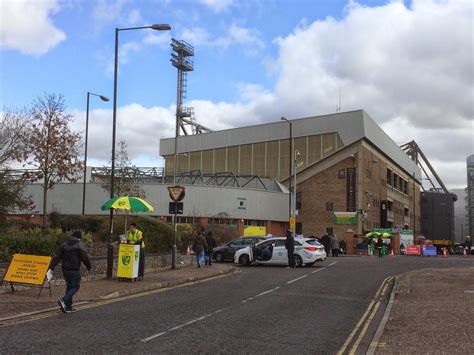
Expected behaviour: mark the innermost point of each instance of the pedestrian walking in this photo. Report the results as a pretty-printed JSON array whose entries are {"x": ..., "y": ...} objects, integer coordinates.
[
  {"x": 326, "y": 241},
  {"x": 199, "y": 247},
  {"x": 468, "y": 245},
  {"x": 290, "y": 248},
  {"x": 71, "y": 254},
  {"x": 135, "y": 236},
  {"x": 379, "y": 246},
  {"x": 211, "y": 244},
  {"x": 334, "y": 245}
]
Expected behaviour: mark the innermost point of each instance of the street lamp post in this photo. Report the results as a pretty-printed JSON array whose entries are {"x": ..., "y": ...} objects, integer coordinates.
[
  {"x": 110, "y": 249},
  {"x": 290, "y": 168},
  {"x": 293, "y": 208},
  {"x": 103, "y": 98}
]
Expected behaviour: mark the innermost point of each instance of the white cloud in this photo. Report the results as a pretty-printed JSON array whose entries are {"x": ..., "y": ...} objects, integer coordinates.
[
  {"x": 217, "y": 5},
  {"x": 249, "y": 38},
  {"x": 161, "y": 39},
  {"x": 134, "y": 17},
  {"x": 27, "y": 26},
  {"x": 410, "y": 68},
  {"x": 196, "y": 36},
  {"x": 105, "y": 12},
  {"x": 141, "y": 127}
]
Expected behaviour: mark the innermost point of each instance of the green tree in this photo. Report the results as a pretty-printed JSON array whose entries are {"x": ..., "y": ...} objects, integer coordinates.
[{"x": 52, "y": 147}]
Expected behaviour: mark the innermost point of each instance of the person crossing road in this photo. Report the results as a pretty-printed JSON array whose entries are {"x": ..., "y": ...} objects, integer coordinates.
[{"x": 290, "y": 248}]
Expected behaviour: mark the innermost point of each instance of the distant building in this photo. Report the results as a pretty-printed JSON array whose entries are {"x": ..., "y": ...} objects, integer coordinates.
[
  {"x": 437, "y": 216},
  {"x": 470, "y": 193},
  {"x": 461, "y": 222}
]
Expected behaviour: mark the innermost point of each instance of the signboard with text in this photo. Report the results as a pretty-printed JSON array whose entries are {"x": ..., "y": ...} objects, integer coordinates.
[
  {"x": 429, "y": 251},
  {"x": 413, "y": 250},
  {"x": 255, "y": 230},
  {"x": 27, "y": 269},
  {"x": 345, "y": 218}
]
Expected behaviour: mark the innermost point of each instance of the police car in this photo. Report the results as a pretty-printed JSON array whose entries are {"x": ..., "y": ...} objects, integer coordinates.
[{"x": 272, "y": 251}]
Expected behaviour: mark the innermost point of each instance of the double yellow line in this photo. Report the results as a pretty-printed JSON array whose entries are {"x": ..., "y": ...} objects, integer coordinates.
[{"x": 364, "y": 322}]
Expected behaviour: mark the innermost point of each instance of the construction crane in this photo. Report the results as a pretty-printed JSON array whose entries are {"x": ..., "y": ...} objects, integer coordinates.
[{"x": 413, "y": 150}]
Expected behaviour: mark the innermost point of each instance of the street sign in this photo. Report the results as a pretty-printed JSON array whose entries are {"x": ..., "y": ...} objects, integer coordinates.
[
  {"x": 176, "y": 208},
  {"x": 176, "y": 193}
]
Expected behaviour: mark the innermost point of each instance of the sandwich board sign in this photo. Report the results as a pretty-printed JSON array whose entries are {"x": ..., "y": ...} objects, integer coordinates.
[
  {"x": 28, "y": 270},
  {"x": 176, "y": 193}
]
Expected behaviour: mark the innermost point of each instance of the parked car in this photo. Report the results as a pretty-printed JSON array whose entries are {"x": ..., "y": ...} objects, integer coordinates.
[
  {"x": 272, "y": 251},
  {"x": 227, "y": 251}
]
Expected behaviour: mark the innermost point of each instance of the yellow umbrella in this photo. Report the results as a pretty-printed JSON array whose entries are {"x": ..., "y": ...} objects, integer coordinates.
[{"x": 127, "y": 203}]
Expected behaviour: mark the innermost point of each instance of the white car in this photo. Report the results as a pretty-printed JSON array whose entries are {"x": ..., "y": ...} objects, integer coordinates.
[{"x": 272, "y": 251}]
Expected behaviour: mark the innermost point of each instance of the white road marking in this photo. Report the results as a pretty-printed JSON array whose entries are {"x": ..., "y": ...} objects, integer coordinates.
[
  {"x": 318, "y": 270},
  {"x": 179, "y": 326},
  {"x": 220, "y": 310},
  {"x": 154, "y": 336},
  {"x": 468, "y": 291},
  {"x": 265, "y": 292},
  {"x": 298, "y": 278}
]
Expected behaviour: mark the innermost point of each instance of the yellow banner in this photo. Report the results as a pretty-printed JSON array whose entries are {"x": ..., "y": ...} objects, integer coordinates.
[
  {"x": 27, "y": 269},
  {"x": 292, "y": 222},
  {"x": 128, "y": 256},
  {"x": 255, "y": 230}
]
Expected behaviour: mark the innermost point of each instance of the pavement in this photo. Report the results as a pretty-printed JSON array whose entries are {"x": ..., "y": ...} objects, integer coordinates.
[
  {"x": 24, "y": 301},
  {"x": 433, "y": 312},
  {"x": 334, "y": 307}
]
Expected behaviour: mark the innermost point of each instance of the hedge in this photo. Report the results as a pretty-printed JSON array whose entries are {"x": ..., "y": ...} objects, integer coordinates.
[{"x": 32, "y": 241}]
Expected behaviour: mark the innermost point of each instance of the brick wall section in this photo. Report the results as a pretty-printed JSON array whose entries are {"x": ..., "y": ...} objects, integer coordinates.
[
  {"x": 326, "y": 186},
  {"x": 316, "y": 192}
]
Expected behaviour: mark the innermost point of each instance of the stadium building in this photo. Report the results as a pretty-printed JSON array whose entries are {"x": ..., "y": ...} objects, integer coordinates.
[{"x": 347, "y": 167}]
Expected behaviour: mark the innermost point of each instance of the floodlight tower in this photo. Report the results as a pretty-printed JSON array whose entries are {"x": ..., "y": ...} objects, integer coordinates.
[{"x": 182, "y": 58}]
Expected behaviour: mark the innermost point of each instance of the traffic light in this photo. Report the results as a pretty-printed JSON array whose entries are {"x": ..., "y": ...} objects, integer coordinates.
[{"x": 176, "y": 208}]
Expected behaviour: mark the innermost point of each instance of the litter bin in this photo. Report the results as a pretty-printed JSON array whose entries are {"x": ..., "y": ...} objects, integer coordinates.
[{"x": 128, "y": 260}]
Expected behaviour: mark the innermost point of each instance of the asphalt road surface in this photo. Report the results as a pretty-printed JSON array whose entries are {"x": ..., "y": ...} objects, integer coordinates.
[{"x": 261, "y": 310}]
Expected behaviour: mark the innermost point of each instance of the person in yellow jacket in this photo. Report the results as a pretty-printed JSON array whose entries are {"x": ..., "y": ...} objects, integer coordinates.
[{"x": 135, "y": 236}]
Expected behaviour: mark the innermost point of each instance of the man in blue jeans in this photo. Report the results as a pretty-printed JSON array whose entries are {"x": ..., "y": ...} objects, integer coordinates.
[{"x": 71, "y": 254}]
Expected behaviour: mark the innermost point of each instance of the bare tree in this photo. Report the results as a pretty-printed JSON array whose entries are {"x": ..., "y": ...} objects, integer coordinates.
[
  {"x": 51, "y": 145},
  {"x": 13, "y": 128},
  {"x": 127, "y": 176}
]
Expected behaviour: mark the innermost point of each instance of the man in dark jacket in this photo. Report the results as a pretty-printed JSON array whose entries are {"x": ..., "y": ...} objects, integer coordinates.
[
  {"x": 211, "y": 244},
  {"x": 199, "y": 247},
  {"x": 290, "y": 248},
  {"x": 71, "y": 254}
]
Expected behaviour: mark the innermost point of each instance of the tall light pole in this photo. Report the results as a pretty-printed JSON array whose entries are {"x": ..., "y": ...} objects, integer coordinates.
[
  {"x": 296, "y": 155},
  {"x": 290, "y": 156},
  {"x": 103, "y": 98},
  {"x": 110, "y": 249}
]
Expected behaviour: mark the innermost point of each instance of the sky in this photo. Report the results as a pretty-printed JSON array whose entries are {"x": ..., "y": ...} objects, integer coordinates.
[{"x": 408, "y": 64}]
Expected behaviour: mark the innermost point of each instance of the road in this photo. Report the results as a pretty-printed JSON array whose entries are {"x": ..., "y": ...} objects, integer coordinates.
[{"x": 260, "y": 310}]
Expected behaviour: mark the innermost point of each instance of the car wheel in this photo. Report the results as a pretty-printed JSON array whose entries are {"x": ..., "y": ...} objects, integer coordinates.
[
  {"x": 244, "y": 260},
  {"x": 220, "y": 257},
  {"x": 310, "y": 264},
  {"x": 298, "y": 261}
]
